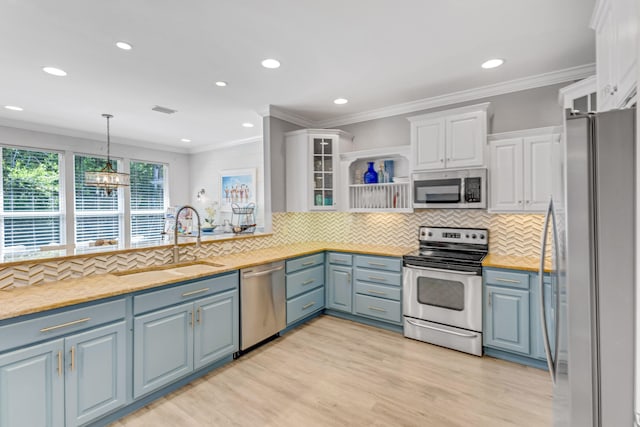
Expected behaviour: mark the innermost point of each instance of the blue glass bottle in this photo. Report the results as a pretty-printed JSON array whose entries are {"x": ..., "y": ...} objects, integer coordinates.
[{"x": 371, "y": 176}]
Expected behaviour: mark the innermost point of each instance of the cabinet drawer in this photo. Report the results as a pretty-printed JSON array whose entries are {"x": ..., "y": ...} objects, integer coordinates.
[
  {"x": 176, "y": 294},
  {"x": 375, "y": 276},
  {"x": 304, "y": 262},
  {"x": 305, "y": 304},
  {"x": 506, "y": 278},
  {"x": 379, "y": 263},
  {"x": 305, "y": 280},
  {"x": 380, "y": 291},
  {"x": 55, "y": 325},
  {"x": 340, "y": 258},
  {"x": 379, "y": 308}
]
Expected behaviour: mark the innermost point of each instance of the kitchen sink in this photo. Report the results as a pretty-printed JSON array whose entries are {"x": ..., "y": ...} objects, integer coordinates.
[{"x": 180, "y": 269}]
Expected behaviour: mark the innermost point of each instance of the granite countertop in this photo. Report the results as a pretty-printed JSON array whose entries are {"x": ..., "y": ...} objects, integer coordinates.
[
  {"x": 52, "y": 295},
  {"x": 515, "y": 262}
]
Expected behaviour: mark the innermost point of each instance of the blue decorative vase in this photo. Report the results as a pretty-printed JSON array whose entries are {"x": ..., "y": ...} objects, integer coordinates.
[{"x": 371, "y": 176}]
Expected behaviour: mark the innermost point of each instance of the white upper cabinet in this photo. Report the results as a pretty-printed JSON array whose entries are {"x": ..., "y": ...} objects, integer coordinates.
[
  {"x": 449, "y": 139},
  {"x": 521, "y": 173},
  {"x": 312, "y": 168},
  {"x": 616, "y": 26}
]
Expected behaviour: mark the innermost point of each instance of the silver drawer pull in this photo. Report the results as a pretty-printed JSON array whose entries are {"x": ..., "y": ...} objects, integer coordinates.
[
  {"x": 382, "y": 310},
  {"x": 378, "y": 264},
  {"x": 64, "y": 325},
  {"x": 308, "y": 263},
  {"x": 199, "y": 291},
  {"x": 381, "y": 279},
  {"x": 371, "y": 291},
  {"x": 308, "y": 282},
  {"x": 312, "y": 303},
  {"x": 498, "y": 279}
]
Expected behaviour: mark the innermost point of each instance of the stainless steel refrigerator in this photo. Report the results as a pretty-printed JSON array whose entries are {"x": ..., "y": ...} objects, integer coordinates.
[{"x": 588, "y": 322}]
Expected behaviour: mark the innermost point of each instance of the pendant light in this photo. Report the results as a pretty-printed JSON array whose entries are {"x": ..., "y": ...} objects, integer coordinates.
[{"x": 107, "y": 178}]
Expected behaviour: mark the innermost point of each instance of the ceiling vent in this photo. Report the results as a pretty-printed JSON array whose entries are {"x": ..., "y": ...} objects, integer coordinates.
[{"x": 164, "y": 110}]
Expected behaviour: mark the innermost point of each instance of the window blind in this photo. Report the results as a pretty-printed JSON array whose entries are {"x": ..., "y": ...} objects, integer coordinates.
[
  {"x": 98, "y": 216},
  {"x": 31, "y": 213},
  {"x": 147, "y": 200}
]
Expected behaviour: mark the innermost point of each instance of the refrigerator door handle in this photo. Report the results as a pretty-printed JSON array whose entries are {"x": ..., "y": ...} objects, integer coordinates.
[
  {"x": 556, "y": 293},
  {"x": 543, "y": 311}
]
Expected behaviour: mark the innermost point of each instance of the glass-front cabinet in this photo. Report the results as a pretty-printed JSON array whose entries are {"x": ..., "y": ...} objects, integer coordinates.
[{"x": 312, "y": 172}]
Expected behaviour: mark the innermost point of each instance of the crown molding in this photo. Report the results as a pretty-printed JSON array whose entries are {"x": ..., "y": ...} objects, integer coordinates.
[
  {"x": 93, "y": 136},
  {"x": 278, "y": 113},
  {"x": 516, "y": 85},
  {"x": 586, "y": 86},
  {"x": 226, "y": 144}
]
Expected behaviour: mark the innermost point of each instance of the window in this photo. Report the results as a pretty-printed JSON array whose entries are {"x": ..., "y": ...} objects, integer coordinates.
[
  {"x": 31, "y": 199},
  {"x": 98, "y": 217},
  {"x": 148, "y": 200}
]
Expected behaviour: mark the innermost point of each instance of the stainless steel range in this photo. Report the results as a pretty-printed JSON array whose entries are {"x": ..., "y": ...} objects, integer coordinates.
[{"x": 442, "y": 288}]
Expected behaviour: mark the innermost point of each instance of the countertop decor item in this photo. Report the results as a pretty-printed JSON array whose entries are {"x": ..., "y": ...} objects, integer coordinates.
[
  {"x": 107, "y": 178},
  {"x": 370, "y": 176}
]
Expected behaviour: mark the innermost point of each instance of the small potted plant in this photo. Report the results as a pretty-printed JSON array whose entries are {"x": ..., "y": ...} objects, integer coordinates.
[{"x": 210, "y": 217}]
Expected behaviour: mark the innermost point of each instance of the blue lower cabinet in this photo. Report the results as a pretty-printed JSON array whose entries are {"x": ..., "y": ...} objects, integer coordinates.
[
  {"x": 378, "y": 308},
  {"x": 96, "y": 373},
  {"x": 32, "y": 386},
  {"x": 339, "y": 288},
  {"x": 216, "y": 330},
  {"x": 305, "y": 305},
  {"x": 536, "y": 326},
  {"x": 507, "y": 319}
]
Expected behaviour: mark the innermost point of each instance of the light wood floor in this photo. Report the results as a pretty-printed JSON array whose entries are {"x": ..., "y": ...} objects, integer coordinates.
[{"x": 333, "y": 372}]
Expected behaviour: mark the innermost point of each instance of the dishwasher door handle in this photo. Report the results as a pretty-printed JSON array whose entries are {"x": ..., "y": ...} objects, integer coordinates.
[{"x": 262, "y": 273}]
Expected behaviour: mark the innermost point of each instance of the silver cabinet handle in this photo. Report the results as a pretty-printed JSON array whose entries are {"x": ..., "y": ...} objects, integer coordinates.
[
  {"x": 308, "y": 263},
  {"x": 59, "y": 363},
  {"x": 64, "y": 325},
  {"x": 371, "y": 291},
  {"x": 73, "y": 357},
  {"x": 311, "y": 304},
  {"x": 489, "y": 299},
  {"x": 460, "y": 334},
  {"x": 198, "y": 314},
  {"x": 381, "y": 279},
  {"x": 348, "y": 277},
  {"x": 499, "y": 279},
  {"x": 382, "y": 310},
  {"x": 308, "y": 282},
  {"x": 377, "y": 264},
  {"x": 262, "y": 273},
  {"x": 543, "y": 311},
  {"x": 199, "y": 291}
]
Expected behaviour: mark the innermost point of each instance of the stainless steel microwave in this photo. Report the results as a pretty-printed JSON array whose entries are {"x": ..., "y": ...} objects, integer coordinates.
[{"x": 450, "y": 189}]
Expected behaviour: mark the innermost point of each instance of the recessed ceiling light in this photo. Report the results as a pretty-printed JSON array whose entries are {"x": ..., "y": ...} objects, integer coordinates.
[
  {"x": 13, "y": 107},
  {"x": 340, "y": 101},
  {"x": 271, "y": 63},
  {"x": 54, "y": 71},
  {"x": 185, "y": 140},
  {"x": 221, "y": 83},
  {"x": 492, "y": 63},
  {"x": 247, "y": 125},
  {"x": 124, "y": 45}
]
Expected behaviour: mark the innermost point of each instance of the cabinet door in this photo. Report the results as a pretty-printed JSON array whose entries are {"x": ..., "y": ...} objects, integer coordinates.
[
  {"x": 536, "y": 327},
  {"x": 428, "y": 144},
  {"x": 506, "y": 175},
  {"x": 162, "y": 347},
  {"x": 507, "y": 319},
  {"x": 216, "y": 331},
  {"x": 340, "y": 289},
  {"x": 96, "y": 373},
  {"x": 626, "y": 53},
  {"x": 464, "y": 141},
  {"x": 32, "y": 386},
  {"x": 538, "y": 173},
  {"x": 323, "y": 181},
  {"x": 605, "y": 46}
]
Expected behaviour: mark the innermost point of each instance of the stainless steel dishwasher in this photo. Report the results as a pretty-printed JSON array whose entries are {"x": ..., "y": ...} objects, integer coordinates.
[{"x": 263, "y": 311}]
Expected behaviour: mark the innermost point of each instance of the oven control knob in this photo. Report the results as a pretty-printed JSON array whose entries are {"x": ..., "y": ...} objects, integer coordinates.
[
  {"x": 467, "y": 236},
  {"x": 482, "y": 236},
  {"x": 430, "y": 234},
  {"x": 473, "y": 236}
]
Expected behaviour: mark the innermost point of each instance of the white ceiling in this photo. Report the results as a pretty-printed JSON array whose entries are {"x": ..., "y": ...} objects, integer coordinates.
[{"x": 374, "y": 52}]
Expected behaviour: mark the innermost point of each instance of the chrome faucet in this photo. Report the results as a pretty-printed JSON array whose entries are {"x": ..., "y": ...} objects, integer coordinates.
[{"x": 176, "y": 250}]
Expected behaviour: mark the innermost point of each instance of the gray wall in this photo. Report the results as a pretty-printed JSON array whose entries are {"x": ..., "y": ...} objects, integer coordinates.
[
  {"x": 526, "y": 109},
  {"x": 274, "y": 157}
]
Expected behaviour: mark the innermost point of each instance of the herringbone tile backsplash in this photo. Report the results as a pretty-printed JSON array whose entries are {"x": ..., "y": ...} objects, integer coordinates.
[{"x": 508, "y": 235}]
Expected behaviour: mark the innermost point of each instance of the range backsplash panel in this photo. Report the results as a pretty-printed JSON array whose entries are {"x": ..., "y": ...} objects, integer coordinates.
[{"x": 508, "y": 235}]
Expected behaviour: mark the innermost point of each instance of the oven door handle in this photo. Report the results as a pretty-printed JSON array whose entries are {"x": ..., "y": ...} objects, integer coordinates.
[
  {"x": 446, "y": 331},
  {"x": 440, "y": 270}
]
